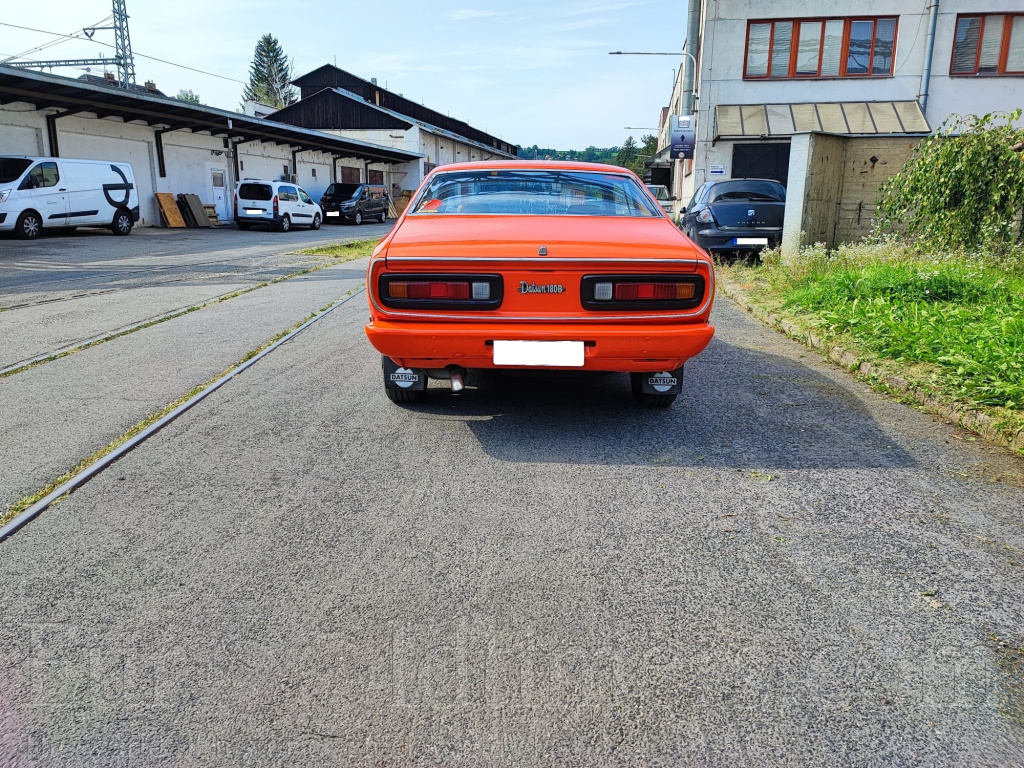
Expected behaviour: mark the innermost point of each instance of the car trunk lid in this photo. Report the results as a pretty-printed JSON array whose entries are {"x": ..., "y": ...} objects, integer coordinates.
[{"x": 748, "y": 214}]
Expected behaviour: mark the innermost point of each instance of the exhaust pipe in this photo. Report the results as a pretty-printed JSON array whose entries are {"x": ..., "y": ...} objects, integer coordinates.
[{"x": 458, "y": 384}]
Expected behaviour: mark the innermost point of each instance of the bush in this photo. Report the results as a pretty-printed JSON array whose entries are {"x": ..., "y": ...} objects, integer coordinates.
[{"x": 964, "y": 187}]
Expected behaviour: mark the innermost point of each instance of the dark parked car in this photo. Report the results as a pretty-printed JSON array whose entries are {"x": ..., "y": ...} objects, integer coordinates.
[
  {"x": 738, "y": 216},
  {"x": 355, "y": 203}
]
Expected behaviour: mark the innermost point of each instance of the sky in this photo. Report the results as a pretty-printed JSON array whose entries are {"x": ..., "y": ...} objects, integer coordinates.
[{"x": 530, "y": 72}]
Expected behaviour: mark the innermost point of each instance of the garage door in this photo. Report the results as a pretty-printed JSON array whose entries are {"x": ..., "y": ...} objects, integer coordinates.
[
  {"x": 761, "y": 161},
  {"x": 20, "y": 140},
  {"x": 137, "y": 153}
]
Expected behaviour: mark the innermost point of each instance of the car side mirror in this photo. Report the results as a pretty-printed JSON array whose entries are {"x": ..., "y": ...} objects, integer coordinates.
[{"x": 682, "y": 209}]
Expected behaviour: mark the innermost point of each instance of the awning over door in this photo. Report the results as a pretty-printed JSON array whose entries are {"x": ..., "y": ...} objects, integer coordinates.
[{"x": 851, "y": 118}]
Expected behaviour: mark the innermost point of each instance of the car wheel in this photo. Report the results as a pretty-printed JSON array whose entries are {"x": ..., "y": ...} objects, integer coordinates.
[
  {"x": 647, "y": 399},
  {"x": 383, "y": 217},
  {"x": 122, "y": 224},
  {"x": 29, "y": 226},
  {"x": 286, "y": 223},
  {"x": 358, "y": 218},
  {"x": 316, "y": 221}
]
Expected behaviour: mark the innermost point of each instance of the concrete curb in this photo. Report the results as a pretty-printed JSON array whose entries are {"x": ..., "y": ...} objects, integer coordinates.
[{"x": 978, "y": 422}]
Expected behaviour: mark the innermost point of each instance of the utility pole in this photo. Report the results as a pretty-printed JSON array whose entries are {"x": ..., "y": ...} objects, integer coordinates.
[{"x": 123, "y": 59}]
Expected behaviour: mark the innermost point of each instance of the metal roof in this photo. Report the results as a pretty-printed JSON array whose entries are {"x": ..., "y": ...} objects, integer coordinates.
[
  {"x": 855, "y": 118},
  {"x": 74, "y": 96}
]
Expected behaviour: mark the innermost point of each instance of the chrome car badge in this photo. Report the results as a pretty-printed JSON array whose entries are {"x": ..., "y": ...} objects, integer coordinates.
[
  {"x": 542, "y": 251},
  {"x": 525, "y": 287},
  {"x": 751, "y": 213}
]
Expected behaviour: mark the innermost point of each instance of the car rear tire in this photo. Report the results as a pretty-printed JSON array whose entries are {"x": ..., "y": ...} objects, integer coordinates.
[
  {"x": 316, "y": 221},
  {"x": 646, "y": 399},
  {"x": 403, "y": 395},
  {"x": 122, "y": 223},
  {"x": 358, "y": 218},
  {"x": 286, "y": 223},
  {"x": 29, "y": 226},
  {"x": 384, "y": 217}
]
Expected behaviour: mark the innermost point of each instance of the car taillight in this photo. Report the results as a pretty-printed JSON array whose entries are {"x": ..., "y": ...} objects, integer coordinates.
[
  {"x": 704, "y": 217},
  {"x": 441, "y": 291},
  {"x": 400, "y": 289},
  {"x": 275, "y": 205},
  {"x": 640, "y": 291},
  {"x": 626, "y": 292}
]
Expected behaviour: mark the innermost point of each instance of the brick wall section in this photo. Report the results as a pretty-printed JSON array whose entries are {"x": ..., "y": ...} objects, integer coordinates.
[
  {"x": 834, "y": 184},
  {"x": 869, "y": 163}
]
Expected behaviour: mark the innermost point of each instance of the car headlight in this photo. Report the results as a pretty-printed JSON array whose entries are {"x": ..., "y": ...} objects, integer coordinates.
[
  {"x": 4, "y": 194},
  {"x": 704, "y": 217}
]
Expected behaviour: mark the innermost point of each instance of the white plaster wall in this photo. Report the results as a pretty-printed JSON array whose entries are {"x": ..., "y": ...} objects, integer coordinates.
[
  {"x": 722, "y": 53},
  {"x": 22, "y": 130}
]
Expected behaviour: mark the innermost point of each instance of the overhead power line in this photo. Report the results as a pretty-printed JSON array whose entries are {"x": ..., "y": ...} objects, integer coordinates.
[{"x": 136, "y": 53}]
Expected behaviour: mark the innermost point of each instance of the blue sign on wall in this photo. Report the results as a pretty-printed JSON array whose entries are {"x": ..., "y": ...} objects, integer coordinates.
[{"x": 683, "y": 136}]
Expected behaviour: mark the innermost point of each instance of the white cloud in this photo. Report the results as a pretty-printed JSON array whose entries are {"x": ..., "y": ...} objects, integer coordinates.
[{"x": 466, "y": 14}]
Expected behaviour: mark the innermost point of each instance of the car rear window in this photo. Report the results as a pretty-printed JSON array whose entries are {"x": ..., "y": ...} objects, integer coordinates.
[
  {"x": 11, "y": 168},
  {"x": 748, "y": 190},
  {"x": 535, "y": 193},
  {"x": 255, "y": 192}
]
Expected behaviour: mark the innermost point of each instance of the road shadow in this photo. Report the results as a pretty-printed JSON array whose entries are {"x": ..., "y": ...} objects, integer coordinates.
[{"x": 741, "y": 408}]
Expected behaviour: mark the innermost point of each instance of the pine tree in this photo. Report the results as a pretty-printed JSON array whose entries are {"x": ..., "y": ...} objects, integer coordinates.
[
  {"x": 270, "y": 75},
  {"x": 628, "y": 153}
]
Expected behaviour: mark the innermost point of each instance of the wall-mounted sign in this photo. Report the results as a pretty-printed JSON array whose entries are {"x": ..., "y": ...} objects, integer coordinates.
[
  {"x": 683, "y": 137},
  {"x": 717, "y": 170}
]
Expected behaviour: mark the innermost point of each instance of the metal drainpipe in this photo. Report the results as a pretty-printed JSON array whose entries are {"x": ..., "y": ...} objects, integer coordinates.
[
  {"x": 929, "y": 50},
  {"x": 691, "y": 47}
]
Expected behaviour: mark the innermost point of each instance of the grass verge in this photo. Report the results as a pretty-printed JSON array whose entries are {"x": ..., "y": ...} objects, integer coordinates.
[
  {"x": 337, "y": 254},
  {"x": 946, "y": 331},
  {"x": 21, "y": 505}
]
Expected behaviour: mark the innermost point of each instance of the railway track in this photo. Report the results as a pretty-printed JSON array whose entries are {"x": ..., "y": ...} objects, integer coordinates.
[{"x": 82, "y": 475}]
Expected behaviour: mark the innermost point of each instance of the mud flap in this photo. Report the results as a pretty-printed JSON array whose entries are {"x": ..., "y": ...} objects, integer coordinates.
[
  {"x": 663, "y": 383},
  {"x": 408, "y": 379}
]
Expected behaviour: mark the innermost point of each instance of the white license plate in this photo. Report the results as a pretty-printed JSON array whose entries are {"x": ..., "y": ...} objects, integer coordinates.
[
  {"x": 254, "y": 211},
  {"x": 559, "y": 354},
  {"x": 333, "y": 213},
  {"x": 751, "y": 241}
]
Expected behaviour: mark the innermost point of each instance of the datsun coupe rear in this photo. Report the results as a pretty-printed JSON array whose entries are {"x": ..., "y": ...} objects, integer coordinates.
[{"x": 537, "y": 266}]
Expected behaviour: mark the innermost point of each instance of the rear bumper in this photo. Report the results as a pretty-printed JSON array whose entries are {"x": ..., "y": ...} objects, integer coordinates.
[
  {"x": 609, "y": 347},
  {"x": 717, "y": 240}
]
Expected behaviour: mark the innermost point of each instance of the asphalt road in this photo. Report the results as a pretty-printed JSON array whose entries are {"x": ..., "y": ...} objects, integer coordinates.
[{"x": 784, "y": 569}]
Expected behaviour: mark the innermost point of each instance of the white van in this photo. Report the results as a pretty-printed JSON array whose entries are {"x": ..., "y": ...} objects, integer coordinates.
[
  {"x": 279, "y": 205},
  {"x": 58, "y": 193}
]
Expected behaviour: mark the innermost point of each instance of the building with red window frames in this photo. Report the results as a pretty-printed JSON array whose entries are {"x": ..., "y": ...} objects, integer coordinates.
[{"x": 830, "y": 97}]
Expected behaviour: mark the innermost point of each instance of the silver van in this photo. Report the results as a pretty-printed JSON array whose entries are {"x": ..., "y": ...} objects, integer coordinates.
[
  {"x": 38, "y": 193},
  {"x": 278, "y": 205}
]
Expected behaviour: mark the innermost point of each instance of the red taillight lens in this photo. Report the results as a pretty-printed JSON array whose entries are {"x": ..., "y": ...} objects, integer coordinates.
[
  {"x": 275, "y": 204},
  {"x": 654, "y": 291},
  {"x": 400, "y": 289}
]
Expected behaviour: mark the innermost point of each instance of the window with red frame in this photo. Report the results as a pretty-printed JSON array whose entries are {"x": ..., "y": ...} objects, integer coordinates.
[
  {"x": 988, "y": 44},
  {"x": 794, "y": 48}
]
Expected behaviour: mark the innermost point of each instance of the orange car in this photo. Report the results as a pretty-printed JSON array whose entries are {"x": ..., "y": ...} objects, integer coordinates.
[{"x": 537, "y": 265}]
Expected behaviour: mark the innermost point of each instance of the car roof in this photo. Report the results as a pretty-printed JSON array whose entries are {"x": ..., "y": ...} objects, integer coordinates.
[
  {"x": 726, "y": 181},
  {"x": 533, "y": 165}
]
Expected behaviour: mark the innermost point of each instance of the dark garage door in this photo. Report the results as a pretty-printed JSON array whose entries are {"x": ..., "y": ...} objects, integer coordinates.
[{"x": 761, "y": 161}]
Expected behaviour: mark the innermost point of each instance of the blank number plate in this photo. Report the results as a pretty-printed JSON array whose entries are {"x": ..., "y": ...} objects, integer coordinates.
[
  {"x": 751, "y": 241},
  {"x": 254, "y": 211},
  {"x": 560, "y": 354}
]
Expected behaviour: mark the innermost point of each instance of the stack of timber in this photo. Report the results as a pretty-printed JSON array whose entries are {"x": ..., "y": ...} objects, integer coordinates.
[
  {"x": 192, "y": 211},
  {"x": 169, "y": 210},
  {"x": 211, "y": 214}
]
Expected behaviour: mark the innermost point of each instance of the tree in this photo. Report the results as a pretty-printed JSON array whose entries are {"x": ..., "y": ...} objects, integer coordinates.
[
  {"x": 188, "y": 96},
  {"x": 963, "y": 187},
  {"x": 628, "y": 154},
  {"x": 270, "y": 75}
]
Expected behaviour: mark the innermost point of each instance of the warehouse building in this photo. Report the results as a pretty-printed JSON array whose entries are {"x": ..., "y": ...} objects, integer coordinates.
[{"x": 175, "y": 146}]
